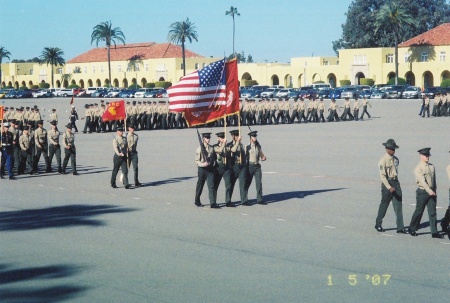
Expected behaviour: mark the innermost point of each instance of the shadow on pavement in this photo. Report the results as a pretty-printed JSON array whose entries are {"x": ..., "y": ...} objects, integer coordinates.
[
  {"x": 61, "y": 216},
  {"x": 34, "y": 294},
  {"x": 279, "y": 197},
  {"x": 167, "y": 181}
]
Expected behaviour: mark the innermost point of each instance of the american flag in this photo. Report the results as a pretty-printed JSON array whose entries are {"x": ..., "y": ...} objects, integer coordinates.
[{"x": 199, "y": 90}]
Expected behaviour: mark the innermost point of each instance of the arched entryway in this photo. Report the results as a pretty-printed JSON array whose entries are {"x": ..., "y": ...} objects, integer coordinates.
[
  {"x": 125, "y": 83},
  {"x": 98, "y": 83},
  {"x": 390, "y": 76},
  {"x": 358, "y": 78},
  {"x": 274, "y": 80},
  {"x": 90, "y": 84},
  {"x": 116, "y": 83},
  {"x": 331, "y": 78},
  {"x": 410, "y": 78},
  {"x": 445, "y": 75},
  {"x": 81, "y": 83},
  {"x": 428, "y": 79},
  {"x": 288, "y": 81}
]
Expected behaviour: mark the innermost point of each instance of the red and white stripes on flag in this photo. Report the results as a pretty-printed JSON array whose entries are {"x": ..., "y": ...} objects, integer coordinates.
[{"x": 204, "y": 88}]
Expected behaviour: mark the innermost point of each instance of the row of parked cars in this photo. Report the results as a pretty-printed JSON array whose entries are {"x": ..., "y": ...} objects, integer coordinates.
[
  {"x": 80, "y": 92},
  {"x": 351, "y": 91}
]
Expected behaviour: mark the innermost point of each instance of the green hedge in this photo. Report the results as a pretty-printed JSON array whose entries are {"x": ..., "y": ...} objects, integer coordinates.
[
  {"x": 23, "y": 88},
  {"x": 149, "y": 85},
  {"x": 345, "y": 82},
  {"x": 445, "y": 83},
  {"x": 164, "y": 84},
  {"x": 34, "y": 87},
  {"x": 134, "y": 86},
  {"x": 250, "y": 83},
  {"x": 401, "y": 81},
  {"x": 366, "y": 81},
  {"x": 318, "y": 82},
  {"x": 73, "y": 86},
  {"x": 44, "y": 85}
]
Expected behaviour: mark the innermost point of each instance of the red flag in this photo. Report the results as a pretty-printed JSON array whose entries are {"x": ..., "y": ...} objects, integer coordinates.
[
  {"x": 232, "y": 88},
  {"x": 201, "y": 95},
  {"x": 71, "y": 101},
  {"x": 114, "y": 111},
  {"x": 1, "y": 112}
]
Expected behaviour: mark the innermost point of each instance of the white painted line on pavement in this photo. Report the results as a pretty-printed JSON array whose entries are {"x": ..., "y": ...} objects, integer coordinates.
[
  {"x": 61, "y": 188},
  {"x": 329, "y": 226},
  {"x": 113, "y": 195},
  {"x": 445, "y": 243},
  {"x": 281, "y": 220},
  {"x": 319, "y": 176},
  {"x": 136, "y": 198},
  {"x": 82, "y": 191},
  {"x": 387, "y": 235},
  {"x": 270, "y": 172},
  {"x": 41, "y": 185},
  {"x": 244, "y": 214},
  {"x": 413, "y": 204},
  {"x": 168, "y": 203},
  {"x": 441, "y": 207}
]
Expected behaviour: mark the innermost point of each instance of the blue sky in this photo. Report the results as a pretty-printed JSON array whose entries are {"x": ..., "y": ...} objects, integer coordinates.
[{"x": 268, "y": 30}]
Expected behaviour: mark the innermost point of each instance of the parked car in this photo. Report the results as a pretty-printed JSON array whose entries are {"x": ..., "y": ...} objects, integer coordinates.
[
  {"x": 43, "y": 93},
  {"x": 411, "y": 92},
  {"x": 246, "y": 93},
  {"x": 324, "y": 92},
  {"x": 11, "y": 94},
  {"x": 113, "y": 93},
  {"x": 335, "y": 93},
  {"x": 395, "y": 91},
  {"x": 152, "y": 93},
  {"x": 284, "y": 92},
  {"x": 162, "y": 94},
  {"x": 308, "y": 93},
  {"x": 3, "y": 93},
  {"x": 24, "y": 94},
  {"x": 350, "y": 92},
  {"x": 365, "y": 93},
  {"x": 378, "y": 94},
  {"x": 269, "y": 93},
  {"x": 431, "y": 91},
  {"x": 102, "y": 92},
  {"x": 293, "y": 94}
]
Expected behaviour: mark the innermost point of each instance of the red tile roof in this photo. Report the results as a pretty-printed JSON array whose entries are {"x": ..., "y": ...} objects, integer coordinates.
[
  {"x": 147, "y": 50},
  {"x": 439, "y": 35}
]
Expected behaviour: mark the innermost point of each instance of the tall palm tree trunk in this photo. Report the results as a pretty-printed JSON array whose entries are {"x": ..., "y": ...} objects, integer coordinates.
[
  {"x": 396, "y": 57},
  {"x": 234, "y": 54},
  {"x": 184, "y": 58},
  {"x": 109, "y": 64},
  {"x": 51, "y": 66}
]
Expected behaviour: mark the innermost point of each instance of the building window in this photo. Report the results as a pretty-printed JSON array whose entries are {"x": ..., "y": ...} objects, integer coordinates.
[
  {"x": 85, "y": 69},
  {"x": 424, "y": 57},
  {"x": 101, "y": 69},
  {"x": 390, "y": 58},
  {"x": 161, "y": 67},
  {"x": 69, "y": 70},
  {"x": 203, "y": 65},
  {"x": 359, "y": 59},
  {"x": 119, "y": 68},
  {"x": 196, "y": 65},
  {"x": 31, "y": 71},
  {"x": 181, "y": 66},
  {"x": 442, "y": 56},
  {"x": 93, "y": 69},
  {"x": 407, "y": 57},
  {"x": 146, "y": 67},
  {"x": 59, "y": 71},
  {"x": 128, "y": 68}
]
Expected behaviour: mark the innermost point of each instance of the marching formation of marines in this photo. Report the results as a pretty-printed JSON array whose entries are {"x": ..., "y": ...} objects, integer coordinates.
[
  {"x": 425, "y": 175},
  {"x": 232, "y": 162},
  {"x": 25, "y": 140},
  {"x": 439, "y": 106}
]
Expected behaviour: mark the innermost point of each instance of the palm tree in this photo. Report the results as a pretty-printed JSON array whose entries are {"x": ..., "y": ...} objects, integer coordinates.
[
  {"x": 232, "y": 12},
  {"x": 4, "y": 53},
  {"x": 180, "y": 32},
  {"x": 105, "y": 32},
  {"x": 393, "y": 17},
  {"x": 52, "y": 56}
]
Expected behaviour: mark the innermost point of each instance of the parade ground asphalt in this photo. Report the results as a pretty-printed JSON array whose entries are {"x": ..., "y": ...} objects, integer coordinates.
[{"x": 66, "y": 238}]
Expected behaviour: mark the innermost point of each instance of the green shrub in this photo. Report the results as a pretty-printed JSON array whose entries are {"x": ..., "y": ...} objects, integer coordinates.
[
  {"x": 445, "y": 83},
  {"x": 345, "y": 82},
  {"x": 317, "y": 82},
  {"x": 366, "y": 81},
  {"x": 164, "y": 84},
  {"x": 34, "y": 86},
  {"x": 134, "y": 86},
  {"x": 73, "y": 86},
  {"x": 149, "y": 85},
  {"x": 23, "y": 87},
  {"x": 401, "y": 81},
  {"x": 44, "y": 85},
  {"x": 250, "y": 83}
]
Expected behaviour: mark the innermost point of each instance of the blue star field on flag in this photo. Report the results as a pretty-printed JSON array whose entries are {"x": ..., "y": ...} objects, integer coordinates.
[{"x": 213, "y": 74}]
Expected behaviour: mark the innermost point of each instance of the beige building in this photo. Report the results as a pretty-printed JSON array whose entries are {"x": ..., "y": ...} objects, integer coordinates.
[{"x": 422, "y": 61}]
